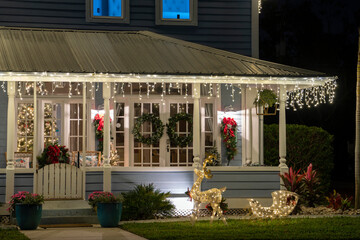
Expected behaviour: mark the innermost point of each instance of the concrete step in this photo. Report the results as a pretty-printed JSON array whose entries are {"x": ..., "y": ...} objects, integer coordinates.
[
  {"x": 68, "y": 212},
  {"x": 69, "y": 220}
]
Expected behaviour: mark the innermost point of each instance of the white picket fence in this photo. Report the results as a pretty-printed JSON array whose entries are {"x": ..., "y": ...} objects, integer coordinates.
[{"x": 60, "y": 181}]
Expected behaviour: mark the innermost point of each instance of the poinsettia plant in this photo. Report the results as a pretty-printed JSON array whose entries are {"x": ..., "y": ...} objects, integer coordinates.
[
  {"x": 25, "y": 197},
  {"x": 53, "y": 153},
  {"x": 228, "y": 133},
  {"x": 99, "y": 130},
  {"x": 103, "y": 197}
]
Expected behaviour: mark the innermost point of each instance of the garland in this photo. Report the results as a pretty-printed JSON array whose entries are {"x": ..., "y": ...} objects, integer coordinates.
[
  {"x": 228, "y": 131},
  {"x": 53, "y": 153},
  {"x": 175, "y": 139},
  {"x": 156, "y": 124}
]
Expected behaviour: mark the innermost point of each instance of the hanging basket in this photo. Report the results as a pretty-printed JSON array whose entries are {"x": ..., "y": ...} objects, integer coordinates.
[
  {"x": 267, "y": 100},
  {"x": 267, "y": 110}
]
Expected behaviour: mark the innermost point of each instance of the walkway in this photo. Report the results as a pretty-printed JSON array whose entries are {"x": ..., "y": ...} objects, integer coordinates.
[{"x": 80, "y": 233}]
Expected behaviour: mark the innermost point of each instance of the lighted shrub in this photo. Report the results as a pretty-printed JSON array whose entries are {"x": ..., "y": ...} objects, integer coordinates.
[{"x": 304, "y": 145}]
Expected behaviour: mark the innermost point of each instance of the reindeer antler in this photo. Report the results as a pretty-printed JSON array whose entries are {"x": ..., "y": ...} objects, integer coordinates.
[{"x": 207, "y": 172}]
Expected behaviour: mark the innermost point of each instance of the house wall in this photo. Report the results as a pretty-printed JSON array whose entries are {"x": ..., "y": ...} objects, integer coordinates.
[
  {"x": 243, "y": 183},
  {"x": 224, "y": 24},
  {"x": 93, "y": 182},
  {"x": 167, "y": 181},
  {"x": 23, "y": 182}
]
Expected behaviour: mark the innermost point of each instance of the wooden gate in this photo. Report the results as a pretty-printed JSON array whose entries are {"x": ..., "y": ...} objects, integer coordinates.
[{"x": 60, "y": 181}]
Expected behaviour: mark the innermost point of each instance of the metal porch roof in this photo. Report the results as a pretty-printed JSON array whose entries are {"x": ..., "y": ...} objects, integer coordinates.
[{"x": 123, "y": 52}]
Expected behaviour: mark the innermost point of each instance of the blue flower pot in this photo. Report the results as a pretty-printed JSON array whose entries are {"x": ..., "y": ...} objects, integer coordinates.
[
  {"x": 109, "y": 214},
  {"x": 28, "y": 216}
]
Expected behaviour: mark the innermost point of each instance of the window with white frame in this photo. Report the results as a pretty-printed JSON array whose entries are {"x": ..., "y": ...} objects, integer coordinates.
[
  {"x": 119, "y": 135},
  {"x": 176, "y": 12},
  {"x": 209, "y": 127},
  {"x": 76, "y": 127},
  {"x": 181, "y": 156},
  {"x": 116, "y": 11},
  {"x": 52, "y": 123},
  {"x": 25, "y": 127}
]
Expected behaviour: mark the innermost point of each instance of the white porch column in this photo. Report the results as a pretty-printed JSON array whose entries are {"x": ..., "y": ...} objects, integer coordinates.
[
  {"x": 282, "y": 133},
  {"x": 196, "y": 126},
  {"x": 84, "y": 110},
  {"x": 36, "y": 138},
  {"x": 10, "y": 146},
  {"x": 106, "y": 146}
]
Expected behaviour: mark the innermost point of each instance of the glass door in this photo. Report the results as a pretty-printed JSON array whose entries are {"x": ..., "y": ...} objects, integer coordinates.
[
  {"x": 145, "y": 155},
  {"x": 175, "y": 155}
]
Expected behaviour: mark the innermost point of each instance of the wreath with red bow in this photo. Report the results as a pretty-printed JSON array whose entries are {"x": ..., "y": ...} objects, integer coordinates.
[
  {"x": 99, "y": 130},
  {"x": 228, "y": 134}
]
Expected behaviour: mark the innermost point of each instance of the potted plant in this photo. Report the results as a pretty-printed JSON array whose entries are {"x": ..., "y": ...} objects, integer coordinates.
[
  {"x": 266, "y": 99},
  {"x": 108, "y": 207},
  {"x": 28, "y": 209}
]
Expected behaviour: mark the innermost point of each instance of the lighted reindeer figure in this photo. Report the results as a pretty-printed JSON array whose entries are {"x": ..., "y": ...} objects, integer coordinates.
[{"x": 212, "y": 196}]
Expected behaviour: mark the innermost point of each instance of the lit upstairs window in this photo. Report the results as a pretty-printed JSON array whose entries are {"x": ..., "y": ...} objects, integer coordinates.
[
  {"x": 108, "y": 8},
  {"x": 116, "y": 11},
  {"x": 176, "y": 12},
  {"x": 176, "y": 9}
]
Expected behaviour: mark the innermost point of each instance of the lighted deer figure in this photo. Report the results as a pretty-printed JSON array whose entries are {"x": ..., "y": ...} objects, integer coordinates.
[{"x": 212, "y": 196}]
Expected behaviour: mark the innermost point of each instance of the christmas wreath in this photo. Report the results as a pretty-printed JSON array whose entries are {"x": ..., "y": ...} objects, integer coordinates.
[
  {"x": 175, "y": 139},
  {"x": 228, "y": 131},
  {"x": 157, "y": 125},
  {"x": 53, "y": 153}
]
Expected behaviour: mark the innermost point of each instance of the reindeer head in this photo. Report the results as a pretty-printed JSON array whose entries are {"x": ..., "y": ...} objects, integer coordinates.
[{"x": 204, "y": 172}]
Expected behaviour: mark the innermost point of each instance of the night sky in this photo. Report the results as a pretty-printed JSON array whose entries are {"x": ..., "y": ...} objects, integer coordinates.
[{"x": 320, "y": 35}]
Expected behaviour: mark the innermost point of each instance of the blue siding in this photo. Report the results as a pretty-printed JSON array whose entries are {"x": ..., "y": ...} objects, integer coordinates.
[
  {"x": 94, "y": 182},
  {"x": 227, "y": 100},
  {"x": 244, "y": 184},
  {"x": 24, "y": 182},
  {"x": 2, "y": 187},
  {"x": 224, "y": 24},
  {"x": 3, "y": 127},
  {"x": 174, "y": 182}
]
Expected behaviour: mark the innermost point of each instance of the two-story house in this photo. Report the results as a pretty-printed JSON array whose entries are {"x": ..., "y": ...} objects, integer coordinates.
[{"x": 64, "y": 61}]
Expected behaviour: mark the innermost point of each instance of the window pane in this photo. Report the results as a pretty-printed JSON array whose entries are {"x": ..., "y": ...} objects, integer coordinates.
[
  {"x": 208, "y": 139},
  {"x": 190, "y": 155},
  {"x": 107, "y": 8},
  {"x": 155, "y": 109},
  {"x": 173, "y": 155},
  {"x": 183, "y": 155},
  {"x": 208, "y": 124},
  {"x": 155, "y": 156},
  {"x": 120, "y": 124},
  {"x": 137, "y": 109},
  {"x": 173, "y": 109},
  {"x": 208, "y": 110},
  {"x": 73, "y": 128},
  {"x": 73, "y": 144},
  {"x": 120, "y": 109},
  {"x": 119, "y": 139},
  {"x": 176, "y": 9},
  {"x": 182, "y": 125},
  {"x": 146, "y": 108},
  {"x": 137, "y": 156},
  {"x": 146, "y": 156},
  {"x": 73, "y": 111}
]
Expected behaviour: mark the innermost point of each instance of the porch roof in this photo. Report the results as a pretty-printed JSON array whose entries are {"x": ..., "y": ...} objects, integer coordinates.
[{"x": 24, "y": 51}]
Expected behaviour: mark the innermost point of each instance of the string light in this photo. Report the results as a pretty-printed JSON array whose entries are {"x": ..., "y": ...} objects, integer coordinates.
[
  {"x": 3, "y": 86},
  {"x": 259, "y": 6},
  {"x": 283, "y": 204},
  {"x": 70, "y": 89}
]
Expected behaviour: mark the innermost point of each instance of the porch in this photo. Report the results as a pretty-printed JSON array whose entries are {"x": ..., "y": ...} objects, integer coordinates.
[{"x": 131, "y": 73}]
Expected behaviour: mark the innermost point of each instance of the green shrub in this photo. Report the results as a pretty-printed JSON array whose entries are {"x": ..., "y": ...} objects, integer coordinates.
[
  {"x": 304, "y": 145},
  {"x": 144, "y": 202}
]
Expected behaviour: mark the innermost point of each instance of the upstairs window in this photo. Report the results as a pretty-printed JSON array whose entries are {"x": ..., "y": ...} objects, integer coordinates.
[
  {"x": 116, "y": 11},
  {"x": 176, "y": 12}
]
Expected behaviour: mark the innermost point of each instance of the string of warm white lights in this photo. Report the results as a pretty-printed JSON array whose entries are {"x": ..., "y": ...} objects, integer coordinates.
[
  {"x": 259, "y": 6},
  {"x": 298, "y": 96}
]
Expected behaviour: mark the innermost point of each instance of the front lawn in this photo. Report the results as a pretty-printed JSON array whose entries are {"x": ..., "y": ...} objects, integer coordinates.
[
  {"x": 12, "y": 234},
  {"x": 289, "y": 228}
]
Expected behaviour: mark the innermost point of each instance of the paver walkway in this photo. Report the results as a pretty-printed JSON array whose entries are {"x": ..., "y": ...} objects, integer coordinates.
[{"x": 81, "y": 233}]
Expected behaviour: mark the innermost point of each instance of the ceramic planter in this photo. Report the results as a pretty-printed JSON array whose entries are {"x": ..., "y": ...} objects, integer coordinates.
[
  {"x": 28, "y": 216},
  {"x": 109, "y": 214}
]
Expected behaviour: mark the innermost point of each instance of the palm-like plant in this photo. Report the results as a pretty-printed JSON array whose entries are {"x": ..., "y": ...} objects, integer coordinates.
[{"x": 312, "y": 187}]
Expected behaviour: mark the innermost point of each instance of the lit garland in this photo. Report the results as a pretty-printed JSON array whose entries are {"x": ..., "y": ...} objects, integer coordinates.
[{"x": 284, "y": 202}]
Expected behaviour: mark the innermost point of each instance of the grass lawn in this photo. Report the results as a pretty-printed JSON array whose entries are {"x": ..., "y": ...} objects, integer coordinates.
[
  {"x": 289, "y": 228},
  {"x": 12, "y": 234}
]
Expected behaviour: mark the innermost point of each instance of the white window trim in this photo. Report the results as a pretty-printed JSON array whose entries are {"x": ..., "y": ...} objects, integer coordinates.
[
  {"x": 125, "y": 6},
  {"x": 193, "y": 21}
]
